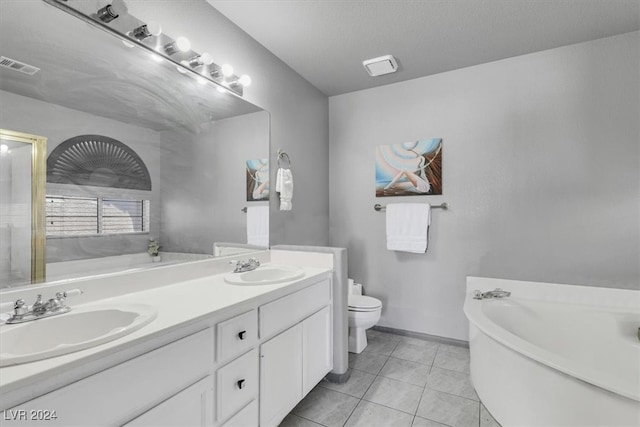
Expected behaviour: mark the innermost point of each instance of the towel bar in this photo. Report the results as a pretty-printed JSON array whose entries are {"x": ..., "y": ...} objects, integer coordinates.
[{"x": 378, "y": 207}]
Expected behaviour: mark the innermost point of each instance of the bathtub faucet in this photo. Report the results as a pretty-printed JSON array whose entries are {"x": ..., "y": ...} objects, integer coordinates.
[{"x": 496, "y": 293}]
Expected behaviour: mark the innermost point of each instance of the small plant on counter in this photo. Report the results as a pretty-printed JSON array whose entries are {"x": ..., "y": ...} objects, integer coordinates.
[{"x": 153, "y": 249}]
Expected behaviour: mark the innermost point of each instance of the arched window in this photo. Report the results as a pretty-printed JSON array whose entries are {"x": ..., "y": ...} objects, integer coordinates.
[{"x": 99, "y": 161}]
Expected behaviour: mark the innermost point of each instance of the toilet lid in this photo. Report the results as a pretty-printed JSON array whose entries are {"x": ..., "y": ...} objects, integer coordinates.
[{"x": 364, "y": 302}]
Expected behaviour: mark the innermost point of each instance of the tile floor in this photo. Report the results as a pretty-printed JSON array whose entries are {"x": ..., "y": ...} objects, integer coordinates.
[{"x": 397, "y": 381}]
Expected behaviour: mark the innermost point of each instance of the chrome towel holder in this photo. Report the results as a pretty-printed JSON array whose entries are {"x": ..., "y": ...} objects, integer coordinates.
[
  {"x": 378, "y": 207},
  {"x": 282, "y": 156}
]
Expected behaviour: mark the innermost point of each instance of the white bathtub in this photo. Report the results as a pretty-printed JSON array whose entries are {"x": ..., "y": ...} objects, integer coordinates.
[
  {"x": 556, "y": 355},
  {"x": 82, "y": 268}
]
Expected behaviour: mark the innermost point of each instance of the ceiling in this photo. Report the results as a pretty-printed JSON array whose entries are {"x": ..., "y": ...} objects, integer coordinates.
[{"x": 326, "y": 41}]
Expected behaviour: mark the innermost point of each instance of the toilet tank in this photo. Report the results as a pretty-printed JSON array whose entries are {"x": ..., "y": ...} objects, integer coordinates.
[{"x": 354, "y": 288}]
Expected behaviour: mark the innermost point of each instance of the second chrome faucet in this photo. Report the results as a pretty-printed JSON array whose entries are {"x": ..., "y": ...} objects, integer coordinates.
[{"x": 248, "y": 265}]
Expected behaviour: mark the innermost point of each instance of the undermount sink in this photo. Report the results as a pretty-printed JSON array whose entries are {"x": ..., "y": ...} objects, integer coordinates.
[
  {"x": 73, "y": 331},
  {"x": 266, "y": 275}
]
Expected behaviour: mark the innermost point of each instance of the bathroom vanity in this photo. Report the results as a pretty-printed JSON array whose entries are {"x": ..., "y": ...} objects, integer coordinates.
[{"x": 217, "y": 354}]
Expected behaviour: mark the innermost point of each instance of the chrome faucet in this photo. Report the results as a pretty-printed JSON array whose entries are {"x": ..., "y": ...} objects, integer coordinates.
[
  {"x": 41, "y": 309},
  {"x": 496, "y": 293},
  {"x": 242, "y": 266}
]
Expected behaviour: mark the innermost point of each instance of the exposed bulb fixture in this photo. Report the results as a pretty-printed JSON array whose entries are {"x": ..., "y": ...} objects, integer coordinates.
[
  {"x": 109, "y": 12},
  {"x": 243, "y": 81},
  {"x": 4, "y": 148},
  {"x": 181, "y": 44},
  {"x": 225, "y": 70},
  {"x": 147, "y": 30},
  {"x": 198, "y": 60}
]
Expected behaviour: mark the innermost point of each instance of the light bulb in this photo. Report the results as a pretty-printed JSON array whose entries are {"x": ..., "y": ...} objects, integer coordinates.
[
  {"x": 181, "y": 44},
  {"x": 206, "y": 59},
  {"x": 227, "y": 70},
  {"x": 4, "y": 148},
  {"x": 154, "y": 28},
  {"x": 244, "y": 80},
  {"x": 198, "y": 60}
]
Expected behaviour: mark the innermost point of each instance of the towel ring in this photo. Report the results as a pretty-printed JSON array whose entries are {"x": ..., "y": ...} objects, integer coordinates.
[{"x": 283, "y": 156}]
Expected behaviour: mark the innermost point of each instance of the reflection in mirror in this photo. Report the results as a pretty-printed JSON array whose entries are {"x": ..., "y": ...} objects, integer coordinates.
[
  {"x": 101, "y": 104},
  {"x": 22, "y": 187}
]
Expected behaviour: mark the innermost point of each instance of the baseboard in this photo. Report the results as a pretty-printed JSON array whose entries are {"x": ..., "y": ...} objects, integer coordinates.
[{"x": 426, "y": 337}]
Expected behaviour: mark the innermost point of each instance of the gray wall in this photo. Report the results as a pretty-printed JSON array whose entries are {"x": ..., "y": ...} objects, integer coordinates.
[
  {"x": 541, "y": 169},
  {"x": 22, "y": 114},
  {"x": 204, "y": 182},
  {"x": 299, "y": 112}
]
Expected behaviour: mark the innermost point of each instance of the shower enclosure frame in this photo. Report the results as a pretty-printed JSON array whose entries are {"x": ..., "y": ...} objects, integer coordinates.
[{"x": 38, "y": 197}]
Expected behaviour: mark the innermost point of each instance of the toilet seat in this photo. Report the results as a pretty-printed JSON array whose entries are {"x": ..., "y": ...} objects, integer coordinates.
[{"x": 361, "y": 303}]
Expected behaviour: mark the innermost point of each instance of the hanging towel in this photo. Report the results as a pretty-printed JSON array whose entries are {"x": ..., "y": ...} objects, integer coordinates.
[
  {"x": 284, "y": 186},
  {"x": 408, "y": 227},
  {"x": 258, "y": 225}
]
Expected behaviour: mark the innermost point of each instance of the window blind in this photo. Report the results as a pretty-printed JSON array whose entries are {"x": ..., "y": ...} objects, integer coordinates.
[{"x": 78, "y": 216}]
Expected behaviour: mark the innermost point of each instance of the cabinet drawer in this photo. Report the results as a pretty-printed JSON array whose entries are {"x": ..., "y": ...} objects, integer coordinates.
[
  {"x": 245, "y": 418},
  {"x": 287, "y": 311},
  {"x": 132, "y": 387},
  {"x": 237, "y": 384},
  {"x": 237, "y": 335}
]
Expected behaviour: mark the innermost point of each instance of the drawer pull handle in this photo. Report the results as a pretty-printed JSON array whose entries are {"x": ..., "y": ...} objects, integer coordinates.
[
  {"x": 241, "y": 384},
  {"x": 242, "y": 335}
]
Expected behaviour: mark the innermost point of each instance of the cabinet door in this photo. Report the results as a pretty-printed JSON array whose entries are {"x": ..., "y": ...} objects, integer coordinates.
[
  {"x": 191, "y": 407},
  {"x": 317, "y": 353},
  {"x": 280, "y": 375}
]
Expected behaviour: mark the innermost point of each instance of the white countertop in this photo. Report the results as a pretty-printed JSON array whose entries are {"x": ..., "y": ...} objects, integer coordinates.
[{"x": 180, "y": 306}]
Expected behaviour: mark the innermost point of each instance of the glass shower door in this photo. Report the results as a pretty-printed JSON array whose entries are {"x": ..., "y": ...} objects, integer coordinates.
[{"x": 22, "y": 188}]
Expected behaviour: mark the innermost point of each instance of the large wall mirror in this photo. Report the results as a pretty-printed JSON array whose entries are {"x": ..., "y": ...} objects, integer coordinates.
[{"x": 136, "y": 150}]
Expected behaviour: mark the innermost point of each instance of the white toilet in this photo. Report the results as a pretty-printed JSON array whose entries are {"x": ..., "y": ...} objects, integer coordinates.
[{"x": 364, "y": 313}]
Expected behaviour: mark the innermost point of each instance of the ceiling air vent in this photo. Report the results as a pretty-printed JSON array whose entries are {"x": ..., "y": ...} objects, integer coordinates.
[
  {"x": 18, "y": 66},
  {"x": 381, "y": 65}
]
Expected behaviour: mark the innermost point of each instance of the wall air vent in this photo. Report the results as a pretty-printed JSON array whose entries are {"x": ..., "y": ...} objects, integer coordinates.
[
  {"x": 18, "y": 66},
  {"x": 381, "y": 65}
]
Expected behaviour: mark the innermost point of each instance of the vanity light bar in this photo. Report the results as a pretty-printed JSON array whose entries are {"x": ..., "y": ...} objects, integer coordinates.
[{"x": 150, "y": 37}]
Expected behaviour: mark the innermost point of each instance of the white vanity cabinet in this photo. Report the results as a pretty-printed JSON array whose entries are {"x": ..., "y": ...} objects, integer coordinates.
[
  {"x": 247, "y": 367},
  {"x": 295, "y": 360},
  {"x": 125, "y": 391}
]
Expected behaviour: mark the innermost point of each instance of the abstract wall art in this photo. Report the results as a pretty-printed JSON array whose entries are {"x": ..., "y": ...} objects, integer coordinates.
[
  {"x": 409, "y": 168},
  {"x": 257, "y": 180}
]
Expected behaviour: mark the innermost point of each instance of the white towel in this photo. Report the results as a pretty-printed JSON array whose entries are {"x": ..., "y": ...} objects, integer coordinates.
[
  {"x": 408, "y": 227},
  {"x": 258, "y": 225},
  {"x": 284, "y": 186}
]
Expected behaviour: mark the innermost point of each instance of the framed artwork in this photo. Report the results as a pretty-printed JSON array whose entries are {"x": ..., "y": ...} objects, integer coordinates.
[
  {"x": 409, "y": 169},
  {"x": 257, "y": 180}
]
